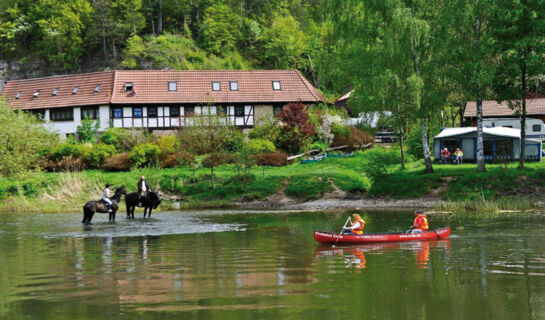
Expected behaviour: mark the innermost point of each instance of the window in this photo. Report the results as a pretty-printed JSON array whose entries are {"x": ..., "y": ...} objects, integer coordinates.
[
  {"x": 276, "y": 85},
  {"x": 239, "y": 111},
  {"x": 216, "y": 86},
  {"x": 277, "y": 109},
  {"x": 172, "y": 86},
  {"x": 89, "y": 112},
  {"x": 36, "y": 94},
  {"x": 39, "y": 114},
  {"x": 189, "y": 112},
  {"x": 97, "y": 88},
  {"x": 504, "y": 147},
  {"x": 233, "y": 85},
  {"x": 76, "y": 88},
  {"x": 137, "y": 112},
  {"x": 118, "y": 113},
  {"x": 18, "y": 95},
  {"x": 129, "y": 87},
  {"x": 488, "y": 147},
  {"x": 536, "y": 128},
  {"x": 152, "y": 112},
  {"x": 55, "y": 91},
  {"x": 174, "y": 111},
  {"x": 61, "y": 114}
]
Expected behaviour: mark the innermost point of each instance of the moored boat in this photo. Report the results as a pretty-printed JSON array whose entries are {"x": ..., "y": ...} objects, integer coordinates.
[{"x": 334, "y": 238}]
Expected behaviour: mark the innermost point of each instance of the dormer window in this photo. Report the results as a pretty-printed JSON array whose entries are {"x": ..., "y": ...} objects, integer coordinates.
[
  {"x": 18, "y": 95},
  {"x": 55, "y": 91},
  {"x": 233, "y": 85},
  {"x": 172, "y": 86},
  {"x": 129, "y": 87},
  {"x": 36, "y": 94},
  {"x": 76, "y": 88},
  {"x": 97, "y": 88},
  {"x": 216, "y": 86},
  {"x": 276, "y": 85}
]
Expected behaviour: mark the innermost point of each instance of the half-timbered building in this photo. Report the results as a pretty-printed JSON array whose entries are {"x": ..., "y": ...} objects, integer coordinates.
[{"x": 159, "y": 99}]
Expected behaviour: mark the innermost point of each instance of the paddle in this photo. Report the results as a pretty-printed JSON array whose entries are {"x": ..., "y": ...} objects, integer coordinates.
[{"x": 340, "y": 233}]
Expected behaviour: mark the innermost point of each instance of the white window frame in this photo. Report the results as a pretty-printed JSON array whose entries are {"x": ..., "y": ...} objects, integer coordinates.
[
  {"x": 214, "y": 88},
  {"x": 235, "y": 87},
  {"x": 276, "y": 82},
  {"x": 172, "y": 86}
]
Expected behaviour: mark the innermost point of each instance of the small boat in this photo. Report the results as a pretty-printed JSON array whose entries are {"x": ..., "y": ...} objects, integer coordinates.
[{"x": 334, "y": 238}]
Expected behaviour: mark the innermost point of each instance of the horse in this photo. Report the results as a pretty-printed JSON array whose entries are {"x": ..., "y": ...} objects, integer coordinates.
[
  {"x": 151, "y": 201},
  {"x": 91, "y": 207}
]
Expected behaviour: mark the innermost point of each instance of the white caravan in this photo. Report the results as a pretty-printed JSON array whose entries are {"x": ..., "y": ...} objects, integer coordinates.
[{"x": 535, "y": 129}]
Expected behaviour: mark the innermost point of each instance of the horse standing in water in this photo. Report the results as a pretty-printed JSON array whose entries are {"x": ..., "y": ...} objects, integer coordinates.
[
  {"x": 91, "y": 207},
  {"x": 149, "y": 202}
]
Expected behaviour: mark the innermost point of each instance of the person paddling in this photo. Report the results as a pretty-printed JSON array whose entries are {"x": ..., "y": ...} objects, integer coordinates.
[
  {"x": 420, "y": 223},
  {"x": 106, "y": 193},
  {"x": 356, "y": 227}
]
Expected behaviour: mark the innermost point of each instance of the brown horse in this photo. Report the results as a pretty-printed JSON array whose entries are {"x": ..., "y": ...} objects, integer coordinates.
[{"x": 91, "y": 207}]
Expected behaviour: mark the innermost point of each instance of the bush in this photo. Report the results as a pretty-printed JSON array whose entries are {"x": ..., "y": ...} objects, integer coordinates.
[
  {"x": 235, "y": 140},
  {"x": 144, "y": 155},
  {"x": 356, "y": 139},
  {"x": 112, "y": 136},
  {"x": 69, "y": 149},
  {"x": 95, "y": 157},
  {"x": 273, "y": 159},
  {"x": 267, "y": 130},
  {"x": 256, "y": 146},
  {"x": 340, "y": 130},
  {"x": 414, "y": 143},
  {"x": 168, "y": 145},
  {"x": 319, "y": 145},
  {"x": 130, "y": 138},
  {"x": 118, "y": 162},
  {"x": 70, "y": 164},
  {"x": 177, "y": 159},
  {"x": 298, "y": 130},
  {"x": 87, "y": 130}
]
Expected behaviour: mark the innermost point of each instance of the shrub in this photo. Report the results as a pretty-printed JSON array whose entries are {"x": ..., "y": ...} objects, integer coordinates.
[
  {"x": 319, "y": 145},
  {"x": 69, "y": 163},
  {"x": 267, "y": 130},
  {"x": 256, "y": 146},
  {"x": 168, "y": 145},
  {"x": 118, "y": 162},
  {"x": 356, "y": 139},
  {"x": 414, "y": 143},
  {"x": 69, "y": 149},
  {"x": 112, "y": 136},
  {"x": 273, "y": 159},
  {"x": 87, "y": 130},
  {"x": 341, "y": 130},
  {"x": 297, "y": 130},
  {"x": 131, "y": 138},
  {"x": 235, "y": 140},
  {"x": 95, "y": 157},
  {"x": 177, "y": 159},
  {"x": 143, "y": 155}
]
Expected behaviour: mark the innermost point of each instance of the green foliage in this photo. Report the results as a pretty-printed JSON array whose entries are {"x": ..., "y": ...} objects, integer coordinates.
[
  {"x": 256, "y": 146},
  {"x": 307, "y": 188},
  {"x": 319, "y": 145},
  {"x": 168, "y": 145},
  {"x": 341, "y": 130},
  {"x": 87, "y": 130},
  {"x": 23, "y": 138},
  {"x": 96, "y": 156},
  {"x": 112, "y": 136},
  {"x": 414, "y": 143},
  {"x": 267, "y": 130},
  {"x": 144, "y": 155},
  {"x": 69, "y": 148},
  {"x": 220, "y": 29},
  {"x": 235, "y": 140}
]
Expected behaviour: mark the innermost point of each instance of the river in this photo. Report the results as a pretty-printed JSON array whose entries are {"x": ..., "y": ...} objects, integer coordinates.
[{"x": 267, "y": 265}]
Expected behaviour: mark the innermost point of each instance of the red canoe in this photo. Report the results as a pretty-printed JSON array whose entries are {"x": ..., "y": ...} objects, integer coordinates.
[{"x": 334, "y": 238}]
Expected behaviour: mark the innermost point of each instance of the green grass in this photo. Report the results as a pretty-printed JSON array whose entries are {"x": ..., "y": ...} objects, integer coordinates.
[{"x": 502, "y": 187}]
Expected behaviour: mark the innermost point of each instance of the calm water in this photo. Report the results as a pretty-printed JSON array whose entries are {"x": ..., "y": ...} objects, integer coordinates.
[{"x": 266, "y": 265}]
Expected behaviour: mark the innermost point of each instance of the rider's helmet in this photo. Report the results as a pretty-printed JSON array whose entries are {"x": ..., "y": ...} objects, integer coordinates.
[{"x": 108, "y": 185}]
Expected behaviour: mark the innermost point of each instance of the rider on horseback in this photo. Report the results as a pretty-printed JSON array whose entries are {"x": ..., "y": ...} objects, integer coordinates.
[
  {"x": 106, "y": 197},
  {"x": 143, "y": 189}
]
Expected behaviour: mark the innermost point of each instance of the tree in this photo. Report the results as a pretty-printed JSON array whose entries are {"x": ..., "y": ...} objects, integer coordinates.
[
  {"x": 297, "y": 129},
  {"x": 87, "y": 130},
  {"x": 22, "y": 140},
  {"x": 518, "y": 27},
  {"x": 220, "y": 29}
]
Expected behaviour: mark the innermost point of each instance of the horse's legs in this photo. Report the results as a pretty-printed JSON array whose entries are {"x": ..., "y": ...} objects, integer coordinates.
[
  {"x": 149, "y": 212},
  {"x": 112, "y": 216}
]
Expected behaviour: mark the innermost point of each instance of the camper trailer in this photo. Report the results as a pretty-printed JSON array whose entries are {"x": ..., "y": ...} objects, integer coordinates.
[{"x": 535, "y": 128}]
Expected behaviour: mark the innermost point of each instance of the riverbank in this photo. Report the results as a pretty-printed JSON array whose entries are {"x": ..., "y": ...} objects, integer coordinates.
[{"x": 370, "y": 179}]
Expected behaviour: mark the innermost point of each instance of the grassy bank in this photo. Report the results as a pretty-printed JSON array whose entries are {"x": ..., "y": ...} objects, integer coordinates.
[{"x": 372, "y": 173}]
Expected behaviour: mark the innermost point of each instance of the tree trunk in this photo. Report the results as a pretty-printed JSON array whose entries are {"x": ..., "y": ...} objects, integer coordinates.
[
  {"x": 480, "y": 142},
  {"x": 212, "y": 177},
  {"x": 523, "y": 113},
  {"x": 401, "y": 146},
  {"x": 426, "y": 146},
  {"x": 105, "y": 48},
  {"x": 160, "y": 18}
]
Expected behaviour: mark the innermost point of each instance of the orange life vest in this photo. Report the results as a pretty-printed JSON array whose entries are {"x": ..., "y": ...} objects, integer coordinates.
[
  {"x": 359, "y": 230},
  {"x": 421, "y": 222}
]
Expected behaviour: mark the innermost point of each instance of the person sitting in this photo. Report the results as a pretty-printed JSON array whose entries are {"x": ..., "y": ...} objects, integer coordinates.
[
  {"x": 420, "y": 223},
  {"x": 106, "y": 193},
  {"x": 459, "y": 156},
  {"x": 445, "y": 155},
  {"x": 356, "y": 228},
  {"x": 143, "y": 189}
]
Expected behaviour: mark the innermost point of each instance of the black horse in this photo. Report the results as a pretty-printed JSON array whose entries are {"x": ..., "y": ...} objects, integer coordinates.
[
  {"x": 151, "y": 201},
  {"x": 91, "y": 207}
]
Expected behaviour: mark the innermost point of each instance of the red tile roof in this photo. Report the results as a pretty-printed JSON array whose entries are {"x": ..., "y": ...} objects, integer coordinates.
[
  {"x": 492, "y": 108},
  {"x": 151, "y": 86},
  {"x": 85, "y": 96}
]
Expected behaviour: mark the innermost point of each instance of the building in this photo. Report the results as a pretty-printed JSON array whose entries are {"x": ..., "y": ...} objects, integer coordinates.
[
  {"x": 500, "y": 143},
  {"x": 535, "y": 108},
  {"x": 159, "y": 99}
]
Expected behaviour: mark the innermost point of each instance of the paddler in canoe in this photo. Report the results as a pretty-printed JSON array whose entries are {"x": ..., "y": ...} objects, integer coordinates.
[
  {"x": 420, "y": 223},
  {"x": 356, "y": 227}
]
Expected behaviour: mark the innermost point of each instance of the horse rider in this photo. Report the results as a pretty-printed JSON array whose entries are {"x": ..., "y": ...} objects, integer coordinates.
[
  {"x": 106, "y": 193},
  {"x": 143, "y": 189},
  {"x": 420, "y": 223},
  {"x": 356, "y": 227}
]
